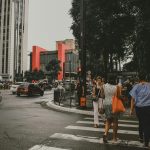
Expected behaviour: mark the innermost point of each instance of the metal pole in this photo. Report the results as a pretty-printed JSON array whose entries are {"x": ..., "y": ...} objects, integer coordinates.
[
  {"x": 83, "y": 46},
  {"x": 70, "y": 76}
]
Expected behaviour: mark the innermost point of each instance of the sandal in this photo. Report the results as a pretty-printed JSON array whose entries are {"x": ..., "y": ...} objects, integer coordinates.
[
  {"x": 95, "y": 125},
  {"x": 105, "y": 139},
  {"x": 141, "y": 140}
]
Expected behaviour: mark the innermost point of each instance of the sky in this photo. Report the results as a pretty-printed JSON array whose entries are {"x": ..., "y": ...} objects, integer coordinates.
[{"x": 49, "y": 21}]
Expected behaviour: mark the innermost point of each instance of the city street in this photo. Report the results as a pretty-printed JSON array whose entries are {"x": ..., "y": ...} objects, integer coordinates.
[{"x": 26, "y": 125}]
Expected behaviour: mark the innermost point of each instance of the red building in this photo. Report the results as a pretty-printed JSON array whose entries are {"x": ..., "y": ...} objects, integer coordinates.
[{"x": 62, "y": 47}]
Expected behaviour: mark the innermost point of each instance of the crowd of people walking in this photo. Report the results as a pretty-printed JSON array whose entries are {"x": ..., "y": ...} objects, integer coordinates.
[
  {"x": 111, "y": 98},
  {"x": 134, "y": 95}
]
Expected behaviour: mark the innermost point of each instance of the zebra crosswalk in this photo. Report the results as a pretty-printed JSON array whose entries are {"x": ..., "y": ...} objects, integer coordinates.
[{"x": 83, "y": 131}]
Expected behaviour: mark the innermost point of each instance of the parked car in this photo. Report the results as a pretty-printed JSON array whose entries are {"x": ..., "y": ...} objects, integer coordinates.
[
  {"x": 29, "y": 89},
  {"x": 13, "y": 87}
]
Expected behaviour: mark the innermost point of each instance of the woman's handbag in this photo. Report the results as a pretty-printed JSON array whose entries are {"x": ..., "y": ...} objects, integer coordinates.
[
  {"x": 96, "y": 97},
  {"x": 83, "y": 101},
  {"x": 117, "y": 104},
  {"x": 101, "y": 110}
]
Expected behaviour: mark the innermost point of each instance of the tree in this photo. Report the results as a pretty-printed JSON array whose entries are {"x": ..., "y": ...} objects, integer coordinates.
[
  {"x": 53, "y": 68},
  {"x": 34, "y": 75},
  {"x": 28, "y": 76},
  {"x": 109, "y": 26},
  {"x": 140, "y": 41},
  {"x": 141, "y": 47},
  {"x": 130, "y": 66}
]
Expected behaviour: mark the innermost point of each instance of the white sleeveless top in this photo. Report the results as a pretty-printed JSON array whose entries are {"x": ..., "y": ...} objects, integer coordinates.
[{"x": 109, "y": 91}]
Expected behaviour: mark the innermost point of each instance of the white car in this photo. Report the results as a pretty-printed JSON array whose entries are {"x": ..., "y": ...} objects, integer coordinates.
[{"x": 14, "y": 87}]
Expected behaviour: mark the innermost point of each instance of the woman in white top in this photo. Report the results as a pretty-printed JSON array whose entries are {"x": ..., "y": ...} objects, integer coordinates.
[
  {"x": 110, "y": 90},
  {"x": 97, "y": 91}
]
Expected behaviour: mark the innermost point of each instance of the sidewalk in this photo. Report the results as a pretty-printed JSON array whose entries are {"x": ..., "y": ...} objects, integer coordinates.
[{"x": 66, "y": 107}]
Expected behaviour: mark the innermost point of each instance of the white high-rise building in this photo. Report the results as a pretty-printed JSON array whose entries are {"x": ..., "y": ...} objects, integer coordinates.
[{"x": 13, "y": 38}]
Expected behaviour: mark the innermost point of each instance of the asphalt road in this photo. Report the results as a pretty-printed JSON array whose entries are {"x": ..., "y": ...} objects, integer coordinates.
[{"x": 26, "y": 125}]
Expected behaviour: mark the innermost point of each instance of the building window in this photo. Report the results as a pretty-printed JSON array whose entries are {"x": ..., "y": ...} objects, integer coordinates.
[
  {"x": 8, "y": 19},
  {"x": 3, "y": 65},
  {"x": 6, "y": 59},
  {"x": 8, "y": 34},
  {"x": 3, "y": 50}
]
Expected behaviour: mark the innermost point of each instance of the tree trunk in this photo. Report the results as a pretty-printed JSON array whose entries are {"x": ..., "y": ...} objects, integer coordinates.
[
  {"x": 119, "y": 64},
  {"x": 111, "y": 63},
  {"x": 106, "y": 58}
]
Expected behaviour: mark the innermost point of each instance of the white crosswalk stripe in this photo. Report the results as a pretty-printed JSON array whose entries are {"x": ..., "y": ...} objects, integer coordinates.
[
  {"x": 100, "y": 129},
  {"x": 125, "y": 121},
  {"x": 126, "y": 127},
  {"x": 93, "y": 139},
  {"x": 43, "y": 147},
  {"x": 101, "y": 123}
]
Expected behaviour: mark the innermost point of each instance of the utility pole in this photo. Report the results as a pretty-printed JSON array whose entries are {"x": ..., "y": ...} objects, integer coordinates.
[{"x": 82, "y": 44}]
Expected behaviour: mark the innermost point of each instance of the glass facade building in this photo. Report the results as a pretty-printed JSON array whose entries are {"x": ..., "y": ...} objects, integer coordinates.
[{"x": 71, "y": 63}]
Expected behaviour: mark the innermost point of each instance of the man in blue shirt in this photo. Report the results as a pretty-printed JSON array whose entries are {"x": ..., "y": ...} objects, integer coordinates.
[{"x": 141, "y": 100}]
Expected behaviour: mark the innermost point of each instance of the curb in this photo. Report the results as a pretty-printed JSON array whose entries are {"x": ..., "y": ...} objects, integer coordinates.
[
  {"x": 72, "y": 110},
  {"x": 50, "y": 103}
]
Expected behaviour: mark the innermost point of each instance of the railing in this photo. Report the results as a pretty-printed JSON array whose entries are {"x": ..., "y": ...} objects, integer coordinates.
[{"x": 65, "y": 98}]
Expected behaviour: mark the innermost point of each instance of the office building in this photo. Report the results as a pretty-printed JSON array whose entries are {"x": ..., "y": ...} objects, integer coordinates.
[
  {"x": 65, "y": 52},
  {"x": 13, "y": 38}
]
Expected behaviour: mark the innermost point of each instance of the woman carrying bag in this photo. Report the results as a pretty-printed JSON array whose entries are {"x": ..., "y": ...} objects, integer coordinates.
[
  {"x": 97, "y": 99},
  {"x": 111, "y": 91}
]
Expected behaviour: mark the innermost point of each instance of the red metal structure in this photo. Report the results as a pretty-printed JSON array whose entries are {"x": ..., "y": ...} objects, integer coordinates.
[{"x": 36, "y": 57}]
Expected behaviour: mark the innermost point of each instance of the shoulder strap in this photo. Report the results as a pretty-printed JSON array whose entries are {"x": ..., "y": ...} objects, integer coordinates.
[
  {"x": 118, "y": 91},
  {"x": 98, "y": 92}
]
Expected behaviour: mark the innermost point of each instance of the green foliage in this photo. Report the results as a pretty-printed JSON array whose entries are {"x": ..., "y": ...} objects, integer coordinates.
[
  {"x": 108, "y": 26},
  {"x": 53, "y": 68},
  {"x": 34, "y": 75},
  {"x": 140, "y": 42},
  {"x": 142, "y": 29},
  {"x": 130, "y": 66},
  {"x": 115, "y": 29}
]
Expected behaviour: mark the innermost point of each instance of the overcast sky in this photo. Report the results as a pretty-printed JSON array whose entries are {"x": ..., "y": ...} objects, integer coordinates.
[{"x": 49, "y": 21}]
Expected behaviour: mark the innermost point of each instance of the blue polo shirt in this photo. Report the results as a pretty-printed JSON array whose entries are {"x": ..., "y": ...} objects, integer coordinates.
[{"x": 141, "y": 94}]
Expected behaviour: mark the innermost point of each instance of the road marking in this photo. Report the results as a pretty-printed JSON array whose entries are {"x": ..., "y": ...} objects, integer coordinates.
[
  {"x": 94, "y": 139},
  {"x": 75, "y": 137},
  {"x": 120, "y": 125},
  {"x": 100, "y": 130},
  {"x": 129, "y": 121},
  {"x": 43, "y": 147}
]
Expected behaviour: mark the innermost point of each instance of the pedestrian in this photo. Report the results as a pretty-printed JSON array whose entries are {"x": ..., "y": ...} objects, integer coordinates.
[
  {"x": 141, "y": 102},
  {"x": 80, "y": 90},
  {"x": 129, "y": 86},
  {"x": 97, "y": 102},
  {"x": 110, "y": 90}
]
